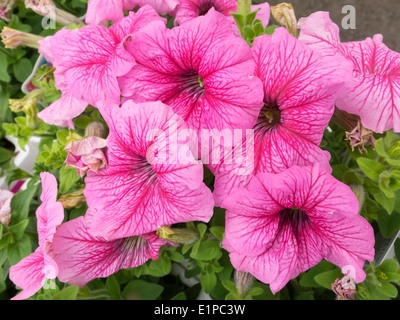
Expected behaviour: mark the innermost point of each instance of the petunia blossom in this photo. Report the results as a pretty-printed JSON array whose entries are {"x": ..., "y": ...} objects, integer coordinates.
[
  {"x": 200, "y": 69},
  {"x": 374, "y": 93},
  {"x": 86, "y": 154},
  {"x": 82, "y": 257},
  {"x": 90, "y": 59},
  {"x": 152, "y": 178},
  {"x": 5, "y": 206},
  {"x": 190, "y": 9},
  {"x": 31, "y": 272},
  {"x": 283, "y": 224},
  {"x": 99, "y": 11},
  {"x": 300, "y": 89}
]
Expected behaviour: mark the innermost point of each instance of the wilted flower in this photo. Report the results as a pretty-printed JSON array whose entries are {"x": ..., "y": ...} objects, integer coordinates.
[
  {"x": 48, "y": 8},
  {"x": 13, "y": 38},
  {"x": 344, "y": 288},
  {"x": 5, "y": 7},
  {"x": 284, "y": 14}
]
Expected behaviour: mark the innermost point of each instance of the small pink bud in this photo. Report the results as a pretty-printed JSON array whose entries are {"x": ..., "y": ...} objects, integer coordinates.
[
  {"x": 5, "y": 206},
  {"x": 86, "y": 154}
]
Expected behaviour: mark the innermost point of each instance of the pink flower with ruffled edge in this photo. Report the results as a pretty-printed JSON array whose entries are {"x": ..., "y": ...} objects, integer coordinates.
[
  {"x": 152, "y": 178},
  {"x": 31, "y": 272},
  {"x": 190, "y": 9},
  {"x": 374, "y": 92},
  {"x": 99, "y": 11},
  {"x": 82, "y": 257},
  {"x": 200, "y": 69},
  {"x": 283, "y": 224},
  {"x": 89, "y": 60},
  {"x": 300, "y": 88},
  {"x": 86, "y": 154},
  {"x": 5, "y": 206}
]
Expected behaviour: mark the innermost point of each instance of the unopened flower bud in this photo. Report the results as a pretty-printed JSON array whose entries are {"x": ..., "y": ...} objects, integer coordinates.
[
  {"x": 5, "y": 206},
  {"x": 74, "y": 199},
  {"x": 284, "y": 14},
  {"x": 359, "y": 192},
  {"x": 244, "y": 7},
  {"x": 5, "y": 7},
  {"x": 32, "y": 119},
  {"x": 344, "y": 288},
  {"x": 95, "y": 129},
  {"x": 48, "y": 8},
  {"x": 183, "y": 236},
  {"x": 243, "y": 281},
  {"x": 13, "y": 38}
]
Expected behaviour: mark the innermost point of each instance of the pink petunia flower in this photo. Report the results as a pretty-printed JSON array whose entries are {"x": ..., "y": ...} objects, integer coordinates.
[
  {"x": 31, "y": 272},
  {"x": 90, "y": 59},
  {"x": 300, "y": 88},
  {"x": 152, "y": 178},
  {"x": 200, "y": 69},
  {"x": 99, "y": 11},
  {"x": 374, "y": 92},
  {"x": 82, "y": 257},
  {"x": 86, "y": 154},
  {"x": 5, "y": 206},
  {"x": 190, "y": 9},
  {"x": 283, "y": 224}
]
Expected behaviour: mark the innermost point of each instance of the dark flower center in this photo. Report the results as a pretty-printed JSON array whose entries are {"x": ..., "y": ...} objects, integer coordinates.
[
  {"x": 144, "y": 171},
  {"x": 205, "y": 7},
  {"x": 297, "y": 218},
  {"x": 269, "y": 117}
]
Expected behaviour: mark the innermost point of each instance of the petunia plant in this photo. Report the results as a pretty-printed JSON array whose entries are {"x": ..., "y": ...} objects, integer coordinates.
[{"x": 202, "y": 149}]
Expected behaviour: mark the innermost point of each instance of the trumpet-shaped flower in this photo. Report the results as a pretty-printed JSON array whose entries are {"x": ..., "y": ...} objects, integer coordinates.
[
  {"x": 31, "y": 272},
  {"x": 99, "y": 11},
  {"x": 200, "y": 69},
  {"x": 152, "y": 178},
  {"x": 82, "y": 257},
  {"x": 300, "y": 89},
  {"x": 91, "y": 58},
  {"x": 283, "y": 224},
  {"x": 374, "y": 92}
]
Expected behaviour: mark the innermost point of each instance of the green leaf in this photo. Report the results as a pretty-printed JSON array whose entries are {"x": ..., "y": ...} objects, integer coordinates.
[
  {"x": 207, "y": 250},
  {"x": 270, "y": 29},
  {"x": 253, "y": 292},
  {"x": 388, "y": 289},
  {"x": 325, "y": 279},
  {"x": 308, "y": 279},
  {"x": 388, "y": 266},
  {"x": 397, "y": 249},
  {"x": 18, "y": 229},
  {"x": 218, "y": 232},
  {"x": 20, "y": 204},
  {"x": 208, "y": 281},
  {"x": 202, "y": 229},
  {"x": 62, "y": 136},
  {"x": 22, "y": 69},
  {"x": 18, "y": 250},
  {"x": 385, "y": 202},
  {"x": 68, "y": 293},
  {"x": 113, "y": 286},
  {"x": 4, "y": 76},
  {"x": 5, "y": 155},
  {"x": 388, "y": 223},
  {"x": 180, "y": 296},
  {"x": 68, "y": 177},
  {"x": 142, "y": 290},
  {"x": 371, "y": 168}
]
